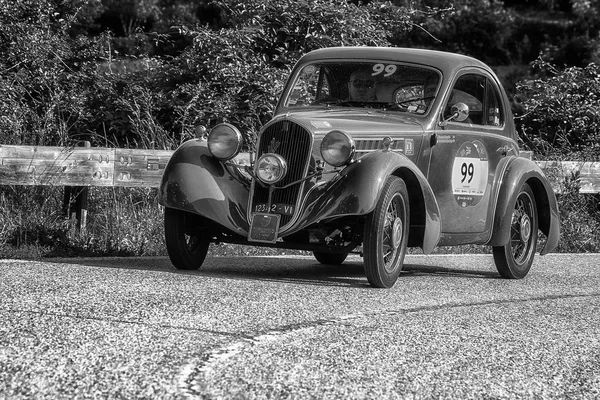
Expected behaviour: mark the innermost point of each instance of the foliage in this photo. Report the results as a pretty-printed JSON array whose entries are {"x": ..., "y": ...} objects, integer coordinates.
[
  {"x": 235, "y": 74},
  {"x": 509, "y": 32},
  {"x": 287, "y": 29},
  {"x": 478, "y": 28},
  {"x": 145, "y": 73},
  {"x": 121, "y": 222},
  {"x": 561, "y": 113},
  {"x": 34, "y": 80},
  {"x": 57, "y": 88},
  {"x": 579, "y": 217}
]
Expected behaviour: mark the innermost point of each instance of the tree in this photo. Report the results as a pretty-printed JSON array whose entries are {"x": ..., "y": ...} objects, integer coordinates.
[{"x": 481, "y": 29}]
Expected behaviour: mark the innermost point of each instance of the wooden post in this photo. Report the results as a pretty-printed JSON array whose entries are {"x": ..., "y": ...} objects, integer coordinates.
[{"x": 75, "y": 201}]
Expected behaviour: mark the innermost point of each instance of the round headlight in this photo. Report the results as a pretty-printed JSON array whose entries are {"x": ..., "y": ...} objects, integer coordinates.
[
  {"x": 271, "y": 168},
  {"x": 225, "y": 141},
  {"x": 337, "y": 148}
]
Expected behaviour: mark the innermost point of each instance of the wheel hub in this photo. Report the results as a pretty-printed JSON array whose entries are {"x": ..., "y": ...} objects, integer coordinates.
[
  {"x": 525, "y": 228},
  {"x": 396, "y": 232}
]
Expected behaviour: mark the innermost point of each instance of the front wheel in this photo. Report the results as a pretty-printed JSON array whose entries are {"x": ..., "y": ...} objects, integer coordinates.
[
  {"x": 187, "y": 249},
  {"x": 514, "y": 259},
  {"x": 386, "y": 235}
]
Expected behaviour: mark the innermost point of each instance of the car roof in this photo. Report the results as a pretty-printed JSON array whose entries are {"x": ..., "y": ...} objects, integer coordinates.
[{"x": 444, "y": 61}]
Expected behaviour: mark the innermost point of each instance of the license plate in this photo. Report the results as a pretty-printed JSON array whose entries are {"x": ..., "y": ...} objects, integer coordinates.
[
  {"x": 284, "y": 209},
  {"x": 264, "y": 228}
]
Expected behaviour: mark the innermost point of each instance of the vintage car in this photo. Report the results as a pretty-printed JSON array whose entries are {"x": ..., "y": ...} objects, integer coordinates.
[{"x": 370, "y": 151}]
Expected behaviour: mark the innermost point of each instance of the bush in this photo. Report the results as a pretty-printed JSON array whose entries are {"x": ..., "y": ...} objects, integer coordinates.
[
  {"x": 561, "y": 116},
  {"x": 120, "y": 222},
  {"x": 44, "y": 74},
  {"x": 580, "y": 219}
]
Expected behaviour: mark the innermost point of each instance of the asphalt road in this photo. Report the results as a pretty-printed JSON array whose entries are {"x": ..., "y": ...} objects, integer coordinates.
[{"x": 265, "y": 327}]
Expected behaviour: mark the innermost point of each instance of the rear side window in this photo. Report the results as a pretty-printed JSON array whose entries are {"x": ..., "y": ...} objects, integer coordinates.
[{"x": 494, "y": 112}]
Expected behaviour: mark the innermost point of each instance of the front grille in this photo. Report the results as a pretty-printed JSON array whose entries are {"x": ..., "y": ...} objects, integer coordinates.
[{"x": 294, "y": 144}]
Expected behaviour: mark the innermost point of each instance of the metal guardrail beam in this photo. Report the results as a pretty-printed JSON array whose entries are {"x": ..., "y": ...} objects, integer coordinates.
[
  {"x": 81, "y": 166},
  {"x": 112, "y": 167},
  {"x": 587, "y": 174}
]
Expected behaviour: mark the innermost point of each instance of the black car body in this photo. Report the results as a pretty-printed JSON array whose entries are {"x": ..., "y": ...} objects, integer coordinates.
[{"x": 430, "y": 158}]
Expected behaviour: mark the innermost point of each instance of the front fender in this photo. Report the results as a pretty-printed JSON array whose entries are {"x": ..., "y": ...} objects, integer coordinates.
[
  {"x": 197, "y": 182},
  {"x": 358, "y": 187},
  {"x": 518, "y": 172}
]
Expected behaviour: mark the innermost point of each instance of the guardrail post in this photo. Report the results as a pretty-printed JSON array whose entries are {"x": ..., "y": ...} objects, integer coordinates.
[{"x": 75, "y": 201}]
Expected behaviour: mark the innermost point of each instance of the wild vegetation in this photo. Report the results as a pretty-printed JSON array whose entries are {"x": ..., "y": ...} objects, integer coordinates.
[{"x": 145, "y": 73}]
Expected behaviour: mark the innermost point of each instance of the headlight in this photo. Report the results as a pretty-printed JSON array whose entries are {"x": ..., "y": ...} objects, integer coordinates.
[
  {"x": 337, "y": 148},
  {"x": 271, "y": 168},
  {"x": 224, "y": 141}
]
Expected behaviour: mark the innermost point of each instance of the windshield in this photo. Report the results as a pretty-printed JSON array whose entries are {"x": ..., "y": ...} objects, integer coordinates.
[{"x": 388, "y": 85}]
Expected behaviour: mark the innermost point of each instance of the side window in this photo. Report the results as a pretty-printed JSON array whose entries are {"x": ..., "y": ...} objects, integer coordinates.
[
  {"x": 495, "y": 113},
  {"x": 470, "y": 90}
]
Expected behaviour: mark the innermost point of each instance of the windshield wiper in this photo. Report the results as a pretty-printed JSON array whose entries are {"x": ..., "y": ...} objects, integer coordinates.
[{"x": 415, "y": 100}]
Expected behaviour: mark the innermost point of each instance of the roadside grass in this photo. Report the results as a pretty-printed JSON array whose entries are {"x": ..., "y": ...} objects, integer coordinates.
[{"x": 129, "y": 222}]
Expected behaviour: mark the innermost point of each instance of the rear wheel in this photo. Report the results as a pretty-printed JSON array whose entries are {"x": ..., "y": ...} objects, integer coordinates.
[
  {"x": 185, "y": 246},
  {"x": 386, "y": 235},
  {"x": 514, "y": 259},
  {"x": 330, "y": 258}
]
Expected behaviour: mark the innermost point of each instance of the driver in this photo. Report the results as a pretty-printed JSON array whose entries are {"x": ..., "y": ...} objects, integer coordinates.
[{"x": 362, "y": 86}]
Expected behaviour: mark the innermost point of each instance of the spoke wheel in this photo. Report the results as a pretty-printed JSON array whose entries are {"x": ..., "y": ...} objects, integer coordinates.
[
  {"x": 386, "y": 235},
  {"x": 186, "y": 248},
  {"x": 514, "y": 259},
  {"x": 330, "y": 258}
]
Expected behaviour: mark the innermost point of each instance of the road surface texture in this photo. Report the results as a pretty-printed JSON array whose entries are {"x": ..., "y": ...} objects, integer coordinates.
[{"x": 289, "y": 328}]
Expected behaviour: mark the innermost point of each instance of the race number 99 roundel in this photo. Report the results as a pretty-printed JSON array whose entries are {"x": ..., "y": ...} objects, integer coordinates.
[{"x": 470, "y": 173}]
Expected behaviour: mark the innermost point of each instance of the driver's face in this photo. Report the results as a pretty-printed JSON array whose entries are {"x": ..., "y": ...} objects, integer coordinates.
[
  {"x": 361, "y": 86},
  {"x": 429, "y": 89}
]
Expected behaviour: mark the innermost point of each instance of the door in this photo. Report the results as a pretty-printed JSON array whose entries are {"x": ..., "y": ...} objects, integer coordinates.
[{"x": 464, "y": 159}]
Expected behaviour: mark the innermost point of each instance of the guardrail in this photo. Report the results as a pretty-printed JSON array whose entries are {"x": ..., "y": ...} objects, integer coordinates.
[
  {"x": 587, "y": 174},
  {"x": 78, "y": 168}
]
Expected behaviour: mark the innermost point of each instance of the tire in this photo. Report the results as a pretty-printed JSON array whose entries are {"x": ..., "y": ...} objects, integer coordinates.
[
  {"x": 514, "y": 259},
  {"x": 186, "y": 249},
  {"x": 330, "y": 258},
  {"x": 386, "y": 235}
]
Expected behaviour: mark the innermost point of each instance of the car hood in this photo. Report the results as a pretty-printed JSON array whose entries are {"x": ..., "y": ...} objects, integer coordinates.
[{"x": 356, "y": 123}]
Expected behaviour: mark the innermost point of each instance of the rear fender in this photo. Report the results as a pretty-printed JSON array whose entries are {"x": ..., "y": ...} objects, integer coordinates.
[
  {"x": 358, "y": 187},
  {"x": 197, "y": 182},
  {"x": 519, "y": 172}
]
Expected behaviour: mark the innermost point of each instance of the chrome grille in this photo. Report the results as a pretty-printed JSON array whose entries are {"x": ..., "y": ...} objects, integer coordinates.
[{"x": 293, "y": 143}]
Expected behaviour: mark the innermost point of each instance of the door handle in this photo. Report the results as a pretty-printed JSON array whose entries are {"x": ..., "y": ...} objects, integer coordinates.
[{"x": 433, "y": 139}]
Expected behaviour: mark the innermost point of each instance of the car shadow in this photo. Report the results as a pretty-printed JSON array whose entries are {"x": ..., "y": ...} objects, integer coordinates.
[
  {"x": 421, "y": 270},
  {"x": 297, "y": 270}
]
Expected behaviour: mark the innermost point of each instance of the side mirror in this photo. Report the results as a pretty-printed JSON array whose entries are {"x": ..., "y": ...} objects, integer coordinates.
[{"x": 460, "y": 112}]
